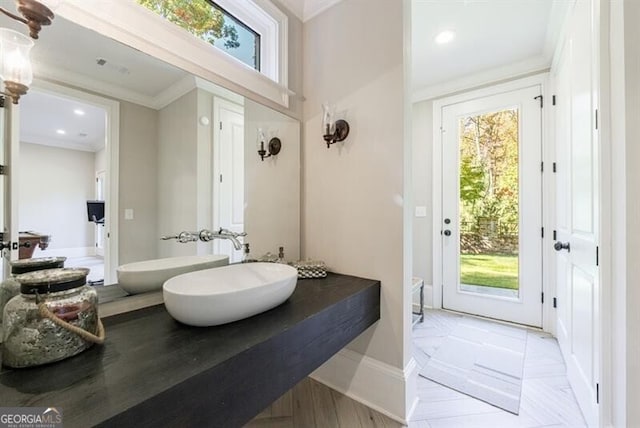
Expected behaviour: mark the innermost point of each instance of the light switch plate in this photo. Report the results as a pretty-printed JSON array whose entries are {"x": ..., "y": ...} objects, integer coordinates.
[
  {"x": 128, "y": 214},
  {"x": 421, "y": 211}
]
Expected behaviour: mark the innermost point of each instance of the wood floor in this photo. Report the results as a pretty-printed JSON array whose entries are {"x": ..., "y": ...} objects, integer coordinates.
[
  {"x": 547, "y": 399},
  {"x": 310, "y": 404}
]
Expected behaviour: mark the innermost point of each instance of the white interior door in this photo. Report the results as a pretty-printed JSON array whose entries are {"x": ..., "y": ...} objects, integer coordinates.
[
  {"x": 492, "y": 206},
  {"x": 228, "y": 185},
  {"x": 99, "y": 228},
  {"x": 577, "y": 215}
]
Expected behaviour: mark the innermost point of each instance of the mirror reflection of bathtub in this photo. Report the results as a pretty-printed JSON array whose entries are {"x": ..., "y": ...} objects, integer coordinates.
[{"x": 167, "y": 159}]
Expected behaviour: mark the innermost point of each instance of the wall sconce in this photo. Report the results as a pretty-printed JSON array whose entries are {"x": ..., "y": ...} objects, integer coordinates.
[
  {"x": 15, "y": 67},
  {"x": 34, "y": 14},
  {"x": 333, "y": 131},
  {"x": 274, "y": 146}
]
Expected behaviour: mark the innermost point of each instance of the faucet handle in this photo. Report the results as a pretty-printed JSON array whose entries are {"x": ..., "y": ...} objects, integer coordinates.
[{"x": 166, "y": 238}]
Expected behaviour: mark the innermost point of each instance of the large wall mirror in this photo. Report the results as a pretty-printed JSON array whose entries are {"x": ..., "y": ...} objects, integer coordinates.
[{"x": 182, "y": 150}]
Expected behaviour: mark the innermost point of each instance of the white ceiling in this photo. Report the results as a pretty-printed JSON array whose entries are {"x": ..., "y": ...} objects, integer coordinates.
[
  {"x": 307, "y": 9},
  {"x": 42, "y": 115},
  {"x": 516, "y": 36},
  {"x": 68, "y": 53}
]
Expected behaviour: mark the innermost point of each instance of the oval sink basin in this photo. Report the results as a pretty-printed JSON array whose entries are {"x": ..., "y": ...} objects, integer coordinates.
[
  {"x": 149, "y": 275},
  {"x": 219, "y": 296}
]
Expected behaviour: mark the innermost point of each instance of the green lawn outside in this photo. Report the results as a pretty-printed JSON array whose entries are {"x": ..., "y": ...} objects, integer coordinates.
[{"x": 490, "y": 270}]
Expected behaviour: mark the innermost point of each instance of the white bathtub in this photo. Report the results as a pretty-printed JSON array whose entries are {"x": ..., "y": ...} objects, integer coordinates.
[{"x": 149, "y": 275}]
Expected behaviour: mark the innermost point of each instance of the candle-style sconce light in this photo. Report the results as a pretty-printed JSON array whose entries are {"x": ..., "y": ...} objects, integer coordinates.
[
  {"x": 334, "y": 131},
  {"x": 274, "y": 146},
  {"x": 16, "y": 72}
]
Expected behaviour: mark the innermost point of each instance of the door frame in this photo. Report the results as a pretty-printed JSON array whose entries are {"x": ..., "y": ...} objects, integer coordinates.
[
  {"x": 548, "y": 213},
  {"x": 218, "y": 104},
  {"x": 112, "y": 155}
]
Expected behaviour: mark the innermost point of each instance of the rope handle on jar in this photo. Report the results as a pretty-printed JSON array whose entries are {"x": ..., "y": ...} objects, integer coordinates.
[{"x": 44, "y": 312}]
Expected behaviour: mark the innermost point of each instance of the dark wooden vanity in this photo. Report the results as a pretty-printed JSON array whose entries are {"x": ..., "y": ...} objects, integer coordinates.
[{"x": 154, "y": 371}]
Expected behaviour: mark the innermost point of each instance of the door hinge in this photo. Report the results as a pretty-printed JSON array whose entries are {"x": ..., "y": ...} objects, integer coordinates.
[
  {"x": 553, "y": 100},
  {"x": 596, "y": 118},
  {"x": 541, "y": 98},
  {"x": 597, "y": 256},
  {"x": 221, "y": 126},
  {"x": 3, "y": 170},
  {"x": 2, "y": 101},
  {"x": 554, "y": 167},
  {"x": 555, "y": 302},
  {"x": 108, "y": 235},
  {"x": 542, "y": 232},
  {"x": 555, "y": 235},
  {"x": 541, "y": 166},
  {"x": 220, "y": 178},
  {"x": 597, "y": 393},
  {"x": 542, "y": 298}
]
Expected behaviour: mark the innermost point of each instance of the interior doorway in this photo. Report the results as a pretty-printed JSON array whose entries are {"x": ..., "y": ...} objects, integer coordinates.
[
  {"x": 491, "y": 215},
  {"x": 67, "y": 140},
  {"x": 228, "y": 174}
]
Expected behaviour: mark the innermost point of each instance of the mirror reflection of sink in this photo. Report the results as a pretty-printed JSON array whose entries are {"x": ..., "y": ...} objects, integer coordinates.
[
  {"x": 218, "y": 296},
  {"x": 149, "y": 275}
]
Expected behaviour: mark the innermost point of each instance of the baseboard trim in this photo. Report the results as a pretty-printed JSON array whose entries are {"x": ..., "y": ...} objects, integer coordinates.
[{"x": 373, "y": 383}]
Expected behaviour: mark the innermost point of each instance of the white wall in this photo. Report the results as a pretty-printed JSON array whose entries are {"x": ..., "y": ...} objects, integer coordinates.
[
  {"x": 625, "y": 80},
  {"x": 352, "y": 207},
  {"x": 177, "y": 174},
  {"x": 138, "y": 189},
  {"x": 100, "y": 160},
  {"x": 422, "y": 156},
  {"x": 54, "y": 186},
  {"x": 272, "y": 186}
]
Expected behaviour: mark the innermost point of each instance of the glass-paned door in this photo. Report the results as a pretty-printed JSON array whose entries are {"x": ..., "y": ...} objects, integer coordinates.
[{"x": 492, "y": 206}]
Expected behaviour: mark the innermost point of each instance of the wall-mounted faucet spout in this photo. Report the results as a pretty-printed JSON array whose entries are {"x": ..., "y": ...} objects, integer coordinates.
[
  {"x": 183, "y": 237},
  {"x": 207, "y": 235}
]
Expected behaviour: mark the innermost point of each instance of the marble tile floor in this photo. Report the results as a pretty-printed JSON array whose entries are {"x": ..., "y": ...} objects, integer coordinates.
[{"x": 547, "y": 399}]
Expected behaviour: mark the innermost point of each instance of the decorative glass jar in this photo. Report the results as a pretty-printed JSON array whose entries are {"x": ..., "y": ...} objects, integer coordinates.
[
  {"x": 10, "y": 287},
  {"x": 54, "y": 317}
]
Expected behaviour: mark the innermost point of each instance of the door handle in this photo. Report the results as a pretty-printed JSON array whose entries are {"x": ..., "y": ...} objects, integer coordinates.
[
  {"x": 559, "y": 246},
  {"x": 447, "y": 232}
]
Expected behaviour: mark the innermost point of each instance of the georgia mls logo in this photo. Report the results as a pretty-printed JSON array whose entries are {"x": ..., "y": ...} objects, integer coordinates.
[{"x": 30, "y": 417}]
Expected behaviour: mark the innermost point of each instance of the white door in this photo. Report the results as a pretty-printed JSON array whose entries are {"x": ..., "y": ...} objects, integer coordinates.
[
  {"x": 577, "y": 215},
  {"x": 99, "y": 228},
  {"x": 492, "y": 206},
  {"x": 228, "y": 186},
  {"x": 10, "y": 133}
]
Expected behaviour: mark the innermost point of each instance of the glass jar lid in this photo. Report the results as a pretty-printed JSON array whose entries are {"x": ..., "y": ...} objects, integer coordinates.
[
  {"x": 30, "y": 265},
  {"x": 52, "y": 280}
]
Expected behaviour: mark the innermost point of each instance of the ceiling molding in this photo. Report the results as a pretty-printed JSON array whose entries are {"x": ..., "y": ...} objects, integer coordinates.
[
  {"x": 314, "y": 8},
  {"x": 294, "y": 6},
  {"x": 534, "y": 65},
  {"x": 49, "y": 72},
  {"x": 52, "y": 142}
]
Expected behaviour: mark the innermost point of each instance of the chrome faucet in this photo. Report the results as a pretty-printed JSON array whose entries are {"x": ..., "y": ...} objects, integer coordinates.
[
  {"x": 183, "y": 237},
  {"x": 207, "y": 235}
]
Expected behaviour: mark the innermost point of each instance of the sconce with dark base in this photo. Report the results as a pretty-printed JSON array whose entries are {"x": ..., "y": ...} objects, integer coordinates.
[
  {"x": 340, "y": 132},
  {"x": 15, "y": 67},
  {"x": 274, "y": 147},
  {"x": 35, "y": 15}
]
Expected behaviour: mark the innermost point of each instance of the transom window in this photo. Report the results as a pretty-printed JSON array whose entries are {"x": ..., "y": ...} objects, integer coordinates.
[{"x": 209, "y": 21}]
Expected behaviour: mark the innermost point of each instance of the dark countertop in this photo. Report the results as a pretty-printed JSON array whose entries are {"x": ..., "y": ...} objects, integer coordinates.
[{"x": 154, "y": 371}]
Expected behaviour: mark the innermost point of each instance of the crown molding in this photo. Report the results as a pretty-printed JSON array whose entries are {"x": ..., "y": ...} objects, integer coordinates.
[{"x": 538, "y": 64}]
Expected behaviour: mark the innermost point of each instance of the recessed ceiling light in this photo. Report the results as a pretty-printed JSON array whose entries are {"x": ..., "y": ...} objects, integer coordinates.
[
  {"x": 79, "y": 112},
  {"x": 61, "y": 132},
  {"x": 445, "y": 37}
]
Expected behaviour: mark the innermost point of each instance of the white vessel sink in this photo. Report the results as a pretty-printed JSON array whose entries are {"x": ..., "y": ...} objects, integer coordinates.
[
  {"x": 142, "y": 277},
  {"x": 218, "y": 296}
]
